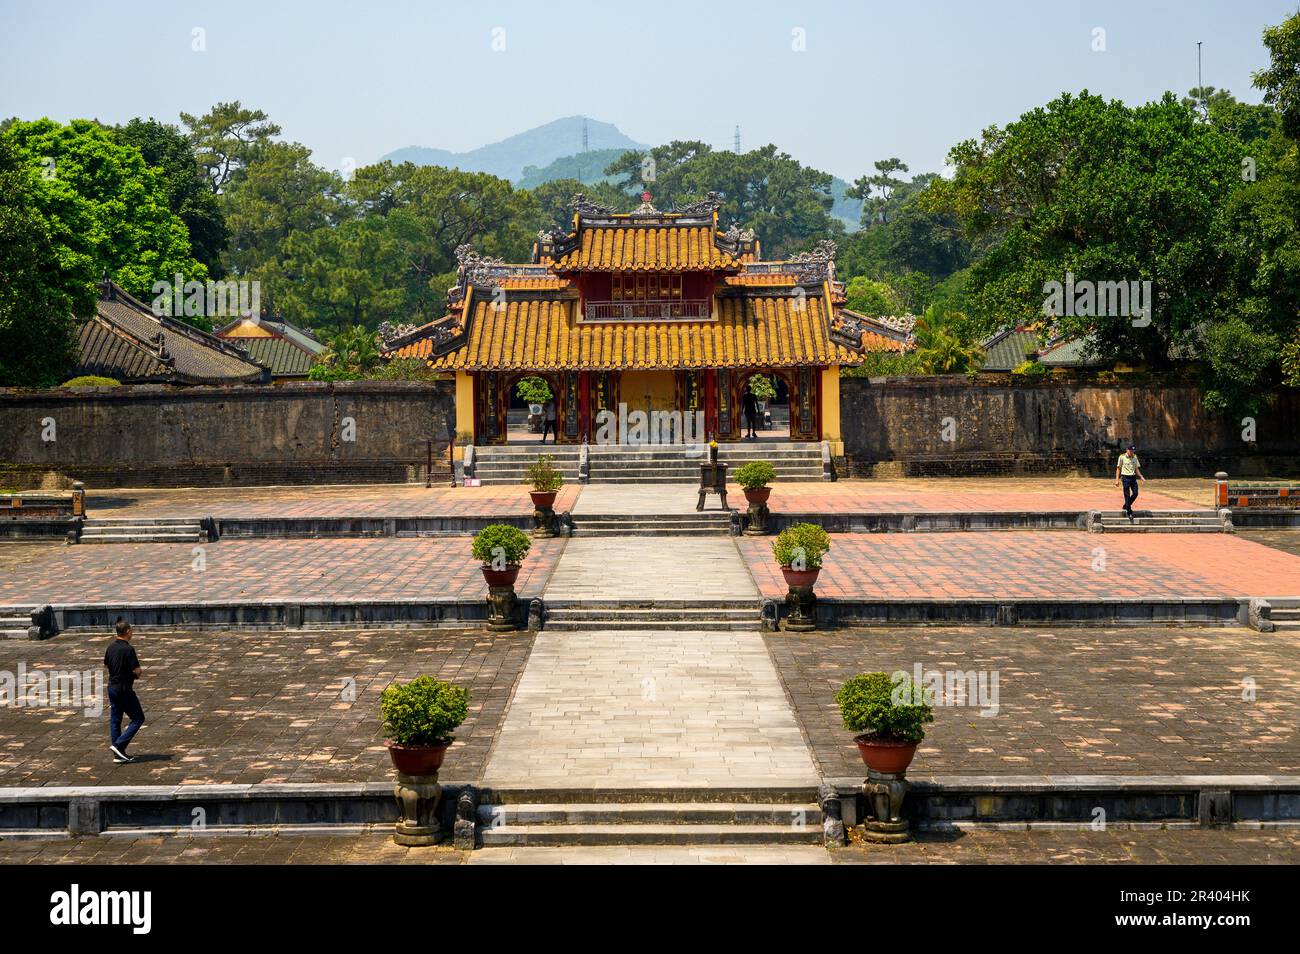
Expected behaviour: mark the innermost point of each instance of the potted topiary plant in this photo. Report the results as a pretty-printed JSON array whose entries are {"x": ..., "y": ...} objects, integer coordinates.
[
  {"x": 889, "y": 716},
  {"x": 546, "y": 481},
  {"x": 419, "y": 718},
  {"x": 501, "y": 549},
  {"x": 799, "y": 551},
  {"x": 754, "y": 478}
]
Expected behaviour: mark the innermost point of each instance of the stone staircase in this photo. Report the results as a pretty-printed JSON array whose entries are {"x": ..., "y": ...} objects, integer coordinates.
[
  {"x": 709, "y": 523},
  {"x": 686, "y": 816},
  {"x": 656, "y": 464},
  {"x": 1162, "y": 521},
  {"x": 687, "y": 615},
  {"x": 1285, "y": 615},
  {"x": 14, "y": 622},
  {"x": 144, "y": 530}
]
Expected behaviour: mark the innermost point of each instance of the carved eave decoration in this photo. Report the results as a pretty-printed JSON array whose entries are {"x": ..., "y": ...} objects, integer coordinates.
[{"x": 815, "y": 266}]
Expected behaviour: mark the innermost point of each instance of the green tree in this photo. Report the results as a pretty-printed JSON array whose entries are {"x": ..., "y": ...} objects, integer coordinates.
[
  {"x": 350, "y": 355},
  {"x": 870, "y": 297},
  {"x": 1281, "y": 80},
  {"x": 942, "y": 346},
  {"x": 106, "y": 210},
  {"x": 165, "y": 148},
  {"x": 43, "y": 284},
  {"x": 228, "y": 139},
  {"x": 343, "y": 275},
  {"x": 877, "y": 192},
  {"x": 1107, "y": 193}
]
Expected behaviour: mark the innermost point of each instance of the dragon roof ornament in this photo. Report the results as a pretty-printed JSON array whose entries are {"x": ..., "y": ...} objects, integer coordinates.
[
  {"x": 815, "y": 265},
  {"x": 706, "y": 206},
  {"x": 584, "y": 206}
]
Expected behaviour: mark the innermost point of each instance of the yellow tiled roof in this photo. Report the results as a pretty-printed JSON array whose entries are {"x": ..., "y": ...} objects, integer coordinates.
[
  {"x": 624, "y": 248},
  {"x": 768, "y": 331}
]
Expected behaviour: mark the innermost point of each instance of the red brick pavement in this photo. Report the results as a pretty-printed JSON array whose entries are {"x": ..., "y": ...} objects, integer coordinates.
[
  {"x": 381, "y": 500},
  {"x": 972, "y": 495},
  {"x": 427, "y": 568},
  {"x": 1038, "y": 565}
]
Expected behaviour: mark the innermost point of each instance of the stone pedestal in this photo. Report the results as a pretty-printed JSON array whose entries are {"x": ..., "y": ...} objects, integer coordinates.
[
  {"x": 501, "y": 603},
  {"x": 543, "y": 522},
  {"x": 417, "y": 810},
  {"x": 801, "y": 610},
  {"x": 884, "y": 793},
  {"x": 758, "y": 514}
]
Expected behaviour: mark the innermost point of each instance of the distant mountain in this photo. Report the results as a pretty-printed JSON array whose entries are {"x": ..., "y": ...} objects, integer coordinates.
[
  {"x": 587, "y": 167},
  {"x": 537, "y": 147},
  {"x": 554, "y": 151}
]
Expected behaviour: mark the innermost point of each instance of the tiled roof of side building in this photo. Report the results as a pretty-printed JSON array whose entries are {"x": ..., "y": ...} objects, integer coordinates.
[
  {"x": 284, "y": 348},
  {"x": 126, "y": 341},
  {"x": 1009, "y": 348},
  {"x": 546, "y": 334}
]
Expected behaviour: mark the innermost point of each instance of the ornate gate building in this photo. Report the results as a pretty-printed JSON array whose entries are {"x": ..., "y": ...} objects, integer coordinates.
[{"x": 652, "y": 311}]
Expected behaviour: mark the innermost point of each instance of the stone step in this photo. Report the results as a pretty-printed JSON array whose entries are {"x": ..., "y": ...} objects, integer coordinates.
[
  {"x": 1285, "y": 613},
  {"x": 652, "y": 532},
  {"x": 562, "y": 450},
  {"x": 649, "y": 603},
  {"x": 651, "y": 835},
  {"x": 143, "y": 538},
  {"x": 101, "y": 531},
  {"x": 142, "y": 522},
  {"x": 526, "y": 795},
  {"x": 685, "y": 614},
  {"x": 14, "y": 627},
  {"x": 1181, "y": 528},
  {"x": 650, "y": 813}
]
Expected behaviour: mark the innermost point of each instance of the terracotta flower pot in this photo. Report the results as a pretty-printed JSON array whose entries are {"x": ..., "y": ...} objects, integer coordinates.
[
  {"x": 543, "y": 499},
  {"x": 800, "y": 577},
  {"x": 758, "y": 495},
  {"x": 417, "y": 759},
  {"x": 504, "y": 577},
  {"x": 883, "y": 755}
]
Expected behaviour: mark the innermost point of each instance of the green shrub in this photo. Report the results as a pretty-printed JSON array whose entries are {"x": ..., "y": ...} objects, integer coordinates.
[
  {"x": 424, "y": 711},
  {"x": 801, "y": 546},
  {"x": 762, "y": 387},
  {"x": 1030, "y": 369},
  {"x": 543, "y": 475},
  {"x": 533, "y": 390},
  {"x": 91, "y": 381},
  {"x": 501, "y": 545},
  {"x": 755, "y": 474},
  {"x": 888, "y": 709}
]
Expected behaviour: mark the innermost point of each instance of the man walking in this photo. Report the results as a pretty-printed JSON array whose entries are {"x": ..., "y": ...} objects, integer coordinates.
[
  {"x": 749, "y": 405},
  {"x": 548, "y": 421},
  {"x": 123, "y": 670},
  {"x": 1128, "y": 471}
]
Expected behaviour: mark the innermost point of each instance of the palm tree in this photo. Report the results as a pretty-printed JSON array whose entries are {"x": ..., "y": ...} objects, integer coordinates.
[{"x": 940, "y": 346}]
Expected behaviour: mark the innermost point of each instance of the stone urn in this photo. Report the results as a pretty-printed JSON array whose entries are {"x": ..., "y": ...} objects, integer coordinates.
[
  {"x": 501, "y": 598},
  {"x": 417, "y": 792},
  {"x": 543, "y": 512},
  {"x": 800, "y": 601},
  {"x": 885, "y": 788},
  {"x": 757, "y": 513}
]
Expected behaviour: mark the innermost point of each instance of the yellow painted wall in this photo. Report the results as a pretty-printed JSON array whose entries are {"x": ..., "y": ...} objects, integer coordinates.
[
  {"x": 661, "y": 386},
  {"x": 464, "y": 402},
  {"x": 831, "y": 410}
]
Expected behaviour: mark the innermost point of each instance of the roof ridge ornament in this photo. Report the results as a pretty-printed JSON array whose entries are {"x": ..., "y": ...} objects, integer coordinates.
[
  {"x": 817, "y": 264},
  {"x": 706, "y": 206},
  {"x": 476, "y": 269},
  {"x": 646, "y": 207},
  {"x": 584, "y": 206}
]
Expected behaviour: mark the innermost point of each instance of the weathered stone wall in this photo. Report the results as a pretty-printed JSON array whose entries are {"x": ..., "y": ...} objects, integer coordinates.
[
  {"x": 898, "y": 426},
  {"x": 201, "y": 436}
]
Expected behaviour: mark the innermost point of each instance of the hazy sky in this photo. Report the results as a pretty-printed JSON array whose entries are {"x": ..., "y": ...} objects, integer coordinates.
[{"x": 357, "y": 79}]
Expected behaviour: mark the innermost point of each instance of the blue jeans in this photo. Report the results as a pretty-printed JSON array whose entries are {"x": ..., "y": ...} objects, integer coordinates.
[{"x": 123, "y": 701}]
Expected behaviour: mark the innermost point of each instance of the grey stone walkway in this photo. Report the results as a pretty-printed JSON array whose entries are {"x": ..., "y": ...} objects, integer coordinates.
[
  {"x": 651, "y": 568},
  {"x": 636, "y": 709}
]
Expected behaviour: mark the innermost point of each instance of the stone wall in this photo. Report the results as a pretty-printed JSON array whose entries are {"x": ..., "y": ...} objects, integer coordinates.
[
  {"x": 308, "y": 432},
  {"x": 955, "y": 426}
]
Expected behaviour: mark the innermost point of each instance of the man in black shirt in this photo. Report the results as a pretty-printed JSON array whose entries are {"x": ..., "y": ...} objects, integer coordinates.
[
  {"x": 123, "y": 670},
  {"x": 749, "y": 405}
]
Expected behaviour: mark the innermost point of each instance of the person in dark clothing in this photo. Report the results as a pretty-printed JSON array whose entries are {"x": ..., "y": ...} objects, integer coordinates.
[
  {"x": 548, "y": 422},
  {"x": 749, "y": 405},
  {"x": 123, "y": 670},
  {"x": 1128, "y": 469}
]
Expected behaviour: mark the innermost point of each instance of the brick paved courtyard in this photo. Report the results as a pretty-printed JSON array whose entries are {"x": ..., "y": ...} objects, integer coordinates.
[
  {"x": 429, "y": 568},
  {"x": 249, "y": 707},
  {"x": 1075, "y": 701},
  {"x": 1038, "y": 565},
  {"x": 1174, "y": 847}
]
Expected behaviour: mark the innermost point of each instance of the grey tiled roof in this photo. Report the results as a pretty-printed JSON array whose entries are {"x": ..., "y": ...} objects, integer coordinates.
[
  {"x": 1009, "y": 349},
  {"x": 126, "y": 341},
  {"x": 289, "y": 352}
]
